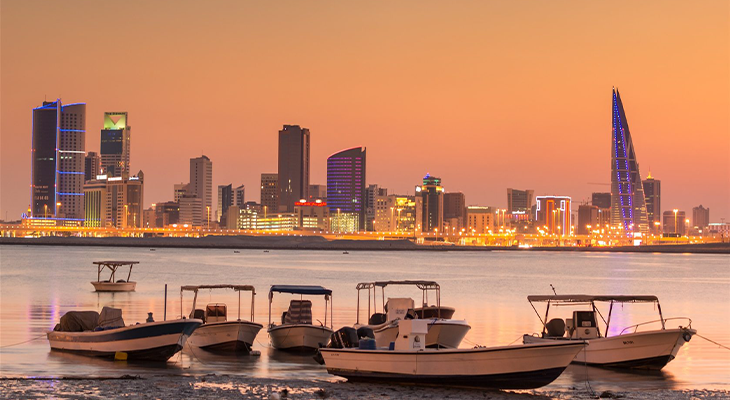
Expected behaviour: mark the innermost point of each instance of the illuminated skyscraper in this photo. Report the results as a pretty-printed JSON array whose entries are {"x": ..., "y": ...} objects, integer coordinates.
[
  {"x": 201, "y": 186},
  {"x": 270, "y": 193},
  {"x": 293, "y": 166},
  {"x": 628, "y": 206},
  {"x": 653, "y": 196},
  {"x": 553, "y": 213},
  {"x": 57, "y": 160},
  {"x": 432, "y": 195},
  {"x": 115, "y": 144},
  {"x": 346, "y": 183},
  {"x": 92, "y": 163}
]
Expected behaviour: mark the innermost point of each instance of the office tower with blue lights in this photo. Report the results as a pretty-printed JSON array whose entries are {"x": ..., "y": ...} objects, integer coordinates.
[
  {"x": 432, "y": 203},
  {"x": 346, "y": 183},
  {"x": 293, "y": 166},
  {"x": 628, "y": 206},
  {"x": 57, "y": 161},
  {"x": 115, "y": 144}
]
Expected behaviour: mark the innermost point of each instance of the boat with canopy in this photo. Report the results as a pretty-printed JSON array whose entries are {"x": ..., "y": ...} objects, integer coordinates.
[
  {"x": 632, "y": 346},
  {"x": 113, "y": 284},
  {"x": 296, "y": 330}
]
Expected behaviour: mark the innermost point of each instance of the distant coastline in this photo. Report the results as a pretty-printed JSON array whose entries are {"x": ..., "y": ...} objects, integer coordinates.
[{"x": 320, "y": 243}]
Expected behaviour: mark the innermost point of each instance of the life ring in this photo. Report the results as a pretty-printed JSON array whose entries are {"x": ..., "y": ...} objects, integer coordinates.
[{"x": 686, "y": 336}]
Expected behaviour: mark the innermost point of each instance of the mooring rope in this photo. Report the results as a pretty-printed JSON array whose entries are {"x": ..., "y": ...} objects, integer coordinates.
[
  {"x": 712, "y": 341},
  {"x": 26, "y": 341}
]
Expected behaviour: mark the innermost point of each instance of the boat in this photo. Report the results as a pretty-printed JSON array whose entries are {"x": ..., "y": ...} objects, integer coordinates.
[
  {"x": 112, "y": 284},
  {"x": 104, "y": 335},
  {"x": 410, "y": 362},
  {"x": 628, "y": 347},
  {"x": 218, "y": 333},
  {"x": 296, "y": 332},
  {"x": 443, "y": 331}
]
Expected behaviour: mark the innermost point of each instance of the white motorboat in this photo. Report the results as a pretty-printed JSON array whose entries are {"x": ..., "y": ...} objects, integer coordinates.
[
  {"x": 442, "y": 332},
  {"x": 112, "y": 284},
  {"x": 629, "y": 348},
  {"x": 296, "y": 330},
  {"x": 104, "y": 335},
  {"x": 409, "y": 362},
  {"x": 218, "y": 333}
]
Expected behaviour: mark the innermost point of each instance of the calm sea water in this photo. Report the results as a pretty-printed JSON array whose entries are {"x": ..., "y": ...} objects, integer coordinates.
[{"x": 38, "y": 284}]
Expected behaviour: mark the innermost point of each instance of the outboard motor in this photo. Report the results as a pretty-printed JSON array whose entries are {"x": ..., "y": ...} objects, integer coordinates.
[
  {"x": 344, "y": 338},
  {"x": 365, "y": 332}
]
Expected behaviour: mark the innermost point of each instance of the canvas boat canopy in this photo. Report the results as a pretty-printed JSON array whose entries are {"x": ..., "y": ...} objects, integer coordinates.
[
  {"x": 115, "y": 263},
  {"x": 238, "y": 288},
  {"x": 583, "y": 298},
  {"x": 296, "y": 289},
  {"x": 423, "y": 285}
]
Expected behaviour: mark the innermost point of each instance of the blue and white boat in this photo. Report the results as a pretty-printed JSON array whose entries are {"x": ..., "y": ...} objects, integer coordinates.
[{"x": 104, "y": 335}]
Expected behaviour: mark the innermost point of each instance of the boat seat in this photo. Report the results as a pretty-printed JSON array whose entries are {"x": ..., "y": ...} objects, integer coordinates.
[
  {"x": 283, "y": 317},
  {"x": 300, "y": 312},
  {"x": 198, "y": 314},
  {"x": 555, "y": 328},
  {"x": 377, "y": 319},
  {"x": 397, "y": 308},
  {"x": 121, "y": 281},
  {"x": 216, "y": 312}
]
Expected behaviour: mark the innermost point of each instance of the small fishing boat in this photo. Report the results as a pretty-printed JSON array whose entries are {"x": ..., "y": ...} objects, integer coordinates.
[
  {"x": 409, "y": 362},
  {"x": 627, "y": 347},
  {"x": 113, "y": 284},
  {"x": 104, "y": 335},
  {"x": 443, "y": 331},
  {"x": 296, "y": 330},
  {"x": 218, "y": 333}
]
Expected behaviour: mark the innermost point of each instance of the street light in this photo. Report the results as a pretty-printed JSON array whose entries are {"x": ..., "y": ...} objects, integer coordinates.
[
  {"x": 675, "y": 220},
  {"x": 208, "y": 212}
]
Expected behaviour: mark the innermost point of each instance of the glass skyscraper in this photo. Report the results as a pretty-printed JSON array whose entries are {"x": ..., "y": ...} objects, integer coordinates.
[
  {"x": 628, "y": 205},
  {"x": 293, "y": 166},
  {"x": 58, "y": 150},
  {"x": 115, "y": 144},
  {"x": 346, "y": 183}
]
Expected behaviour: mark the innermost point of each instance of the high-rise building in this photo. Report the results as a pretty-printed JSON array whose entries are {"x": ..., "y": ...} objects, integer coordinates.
[
  {"x": 57, "y": 161},
  {"x": 225, "y": 200},
  {"x": 270, "y": 192},
  {"x": 554, "y": 214},
  {"x": 431, "y": 193},
  {"x": 239, "y": 198},
  {"x": 115, "y": 144},
  {"x": 653, "y": 195},
  {"x": 180, "y": 190},
  {"x": 371, "y": 194},
  {"x": 394, "y": 213},
  {"x": 318, "y": 192},
  {"x": 346, "y": 183},
  {"x": 587, "y": 219},
  {"x": 674, "y": 222},
  {"x": 293, "y": 166},
  {"x": 92, "y": 165},
  {"x": 201, "y": 185},
  {"x": 312, "y": 215},
  {"x": 480, "y": 219},
  {"x": 601, "y": 200},
  {"x": 115, "y": 202},
  {"x": 519, "y": 200},
  {"x": 191, "y": 211},
  {"x": 455, "y": 211},
  {"x": 628, "y": 205},
  {"x": 700, "y": 217}
]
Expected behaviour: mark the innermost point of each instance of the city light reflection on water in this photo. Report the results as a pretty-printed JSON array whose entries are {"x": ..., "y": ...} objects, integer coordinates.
[{"x": 488, "y": 289}]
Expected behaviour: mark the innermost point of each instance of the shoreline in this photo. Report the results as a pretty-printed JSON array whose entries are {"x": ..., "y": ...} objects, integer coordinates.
[
  {"x": 320, "y": 243},
  {"x": 234, "y": 387}
]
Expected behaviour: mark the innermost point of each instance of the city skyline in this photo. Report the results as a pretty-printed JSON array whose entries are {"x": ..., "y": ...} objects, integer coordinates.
[{"x": 478, "y": 146}]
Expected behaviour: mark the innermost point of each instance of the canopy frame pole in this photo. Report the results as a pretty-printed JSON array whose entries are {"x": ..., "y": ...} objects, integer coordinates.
[
  {"x": 438, "y": 300},
  {"x": 610, "y": 309},
  {"x": 130, "y": 272},
  {"x": 544, "y": 323},
  {"x": 253, "y": 295},
  {"x": 271, "y": 297},
  {"x": 661, "y": 318},
  {"x": 326, "y": 300},
  {"x": 332, "y": 307},
  {"x": 195, "y": 299},
  {"x": 98, "y": 274},
  {"x": 239, "y": 305},
  {"x": 181, "y": 304},
  {"x": 357, "y": 317}
]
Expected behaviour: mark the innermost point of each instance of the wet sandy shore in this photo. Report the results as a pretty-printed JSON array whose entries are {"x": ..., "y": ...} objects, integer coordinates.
[{"x": 235, "y": 387}]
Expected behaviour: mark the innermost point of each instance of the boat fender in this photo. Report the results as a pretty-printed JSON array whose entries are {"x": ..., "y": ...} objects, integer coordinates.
[
  {"x": 120, "y": 356},
  {"x": 686, "y": 336}
]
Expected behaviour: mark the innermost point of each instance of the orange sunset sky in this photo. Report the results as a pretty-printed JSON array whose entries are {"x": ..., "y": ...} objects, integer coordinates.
[{"x": 486, "y": 95}]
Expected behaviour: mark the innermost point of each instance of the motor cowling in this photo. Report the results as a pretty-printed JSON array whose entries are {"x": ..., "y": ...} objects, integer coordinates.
[{"x": 344, "y": 338}]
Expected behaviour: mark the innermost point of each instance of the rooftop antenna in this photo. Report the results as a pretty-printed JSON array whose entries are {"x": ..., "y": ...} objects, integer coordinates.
[{"x": 553, "y": 288}]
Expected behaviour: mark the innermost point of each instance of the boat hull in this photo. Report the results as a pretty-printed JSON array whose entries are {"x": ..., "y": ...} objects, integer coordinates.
[
  {"x": 441, "y": 333},
  {"x": 114, "y": 286},
  {"x": 642, "y": 350},
  {"x": 507, "y": 367},
  {"x": 299, "y": 337},
  {"x": 154, "y": 341},
  {"x": 229, "y": 336}
]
